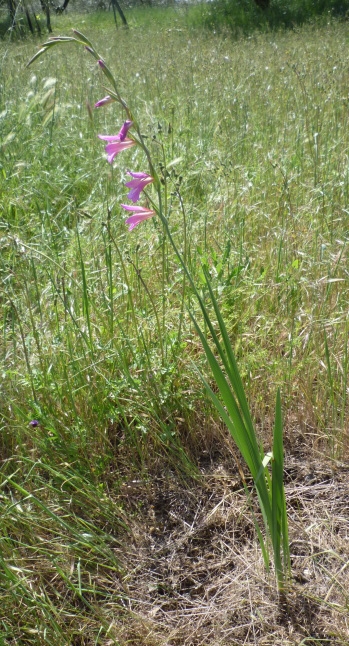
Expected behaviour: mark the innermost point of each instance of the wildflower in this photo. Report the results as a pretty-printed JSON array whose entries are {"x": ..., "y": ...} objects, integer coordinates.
[
  {"x": 115, "y": 146},
  {"x": 140, "y": 181},
  {"x": 34, "y": 423},
  {"x": 117, "y": 143},
  {"x": 107, "y": 99},
  {"x": 140, "y": 213}
]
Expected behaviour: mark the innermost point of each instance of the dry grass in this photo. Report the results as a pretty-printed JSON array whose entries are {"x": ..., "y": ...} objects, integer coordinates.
[{"x": 196, "y": 576}]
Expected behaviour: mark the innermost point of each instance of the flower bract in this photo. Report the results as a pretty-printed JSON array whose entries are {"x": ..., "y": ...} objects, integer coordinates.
[{"x": 107, "y": 99}]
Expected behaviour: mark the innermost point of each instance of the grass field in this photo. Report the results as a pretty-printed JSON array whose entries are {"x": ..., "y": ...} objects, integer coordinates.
[{"x": 124, "y": 518}]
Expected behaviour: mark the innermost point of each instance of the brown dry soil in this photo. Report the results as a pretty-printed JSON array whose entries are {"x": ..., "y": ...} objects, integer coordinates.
[{"x": 196, "y": 576}]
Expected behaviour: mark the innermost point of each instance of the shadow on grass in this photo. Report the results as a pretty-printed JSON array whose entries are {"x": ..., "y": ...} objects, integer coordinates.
[
  {"x": 5, "y": 25},
  {"x": 21, "y": 29},
  {"x": 244, "y": 16}
]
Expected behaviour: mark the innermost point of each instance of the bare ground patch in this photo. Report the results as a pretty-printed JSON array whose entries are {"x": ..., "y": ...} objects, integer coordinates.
[{"x": 196, "y": 576}]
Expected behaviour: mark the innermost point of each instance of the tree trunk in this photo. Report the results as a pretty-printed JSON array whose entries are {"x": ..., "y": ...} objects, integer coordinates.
[
  {"x": 29, "y": 20},
  {"x": 63, "y": 7},
  {"x": 121, "y": 13},
  {"x": 46, "y": 9},
  {"x": 12, "y": 10}
]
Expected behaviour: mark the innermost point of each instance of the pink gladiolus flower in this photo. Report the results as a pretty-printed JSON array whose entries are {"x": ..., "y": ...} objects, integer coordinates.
[
  {"x": 117, "y": 143},
  {"x": 140, "y": 213},
  {"x": 140, "y": 181},
  {"x": 107, "y": 99},
  {"x": 116, "y": 146}
]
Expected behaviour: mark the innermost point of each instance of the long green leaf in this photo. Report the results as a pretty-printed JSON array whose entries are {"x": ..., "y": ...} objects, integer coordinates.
[
  {"x": 232, "y": 417},
  {"x": 237, "y": 427},
  {"x": 279, "y": 531},
  {"x": 236, "y": 415},
  {"x": 233, "y": 370}
]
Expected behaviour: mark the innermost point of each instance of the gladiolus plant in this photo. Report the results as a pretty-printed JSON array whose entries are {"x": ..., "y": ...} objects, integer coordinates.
[{"x": 228, "y": 396}]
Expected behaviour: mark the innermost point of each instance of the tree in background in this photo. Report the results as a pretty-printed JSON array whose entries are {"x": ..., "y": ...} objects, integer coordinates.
[
  {"x": 32, "y": 20},
  {"x": 115, "y": 4}
]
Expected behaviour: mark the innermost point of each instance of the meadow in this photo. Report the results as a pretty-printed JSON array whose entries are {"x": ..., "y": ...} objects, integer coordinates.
[{"x": 124, "y": 517}]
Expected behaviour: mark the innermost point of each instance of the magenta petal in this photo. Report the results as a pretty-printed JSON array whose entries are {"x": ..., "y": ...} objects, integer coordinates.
[
  {"x": 133, "y": 220},
  {"x": 140, "y": 213},
  {"x": 121, "y": 136},
  {"x": 140, "y": 181},
  {"x": 117, "y": 147},
  {"x": 136, "y": 209},
  {"x": 109, "y": 137},
  {"x": 124, "y": 129},
  {"x": 134, "y": 193},
  {"x": 134, "y": 183},
  {"x": 139, "y": 175}
]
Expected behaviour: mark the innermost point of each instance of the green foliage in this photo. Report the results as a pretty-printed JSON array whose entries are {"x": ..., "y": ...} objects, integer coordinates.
[
  {"x": 258, "y": 133},
  {"x": 243, "y": 17}
]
